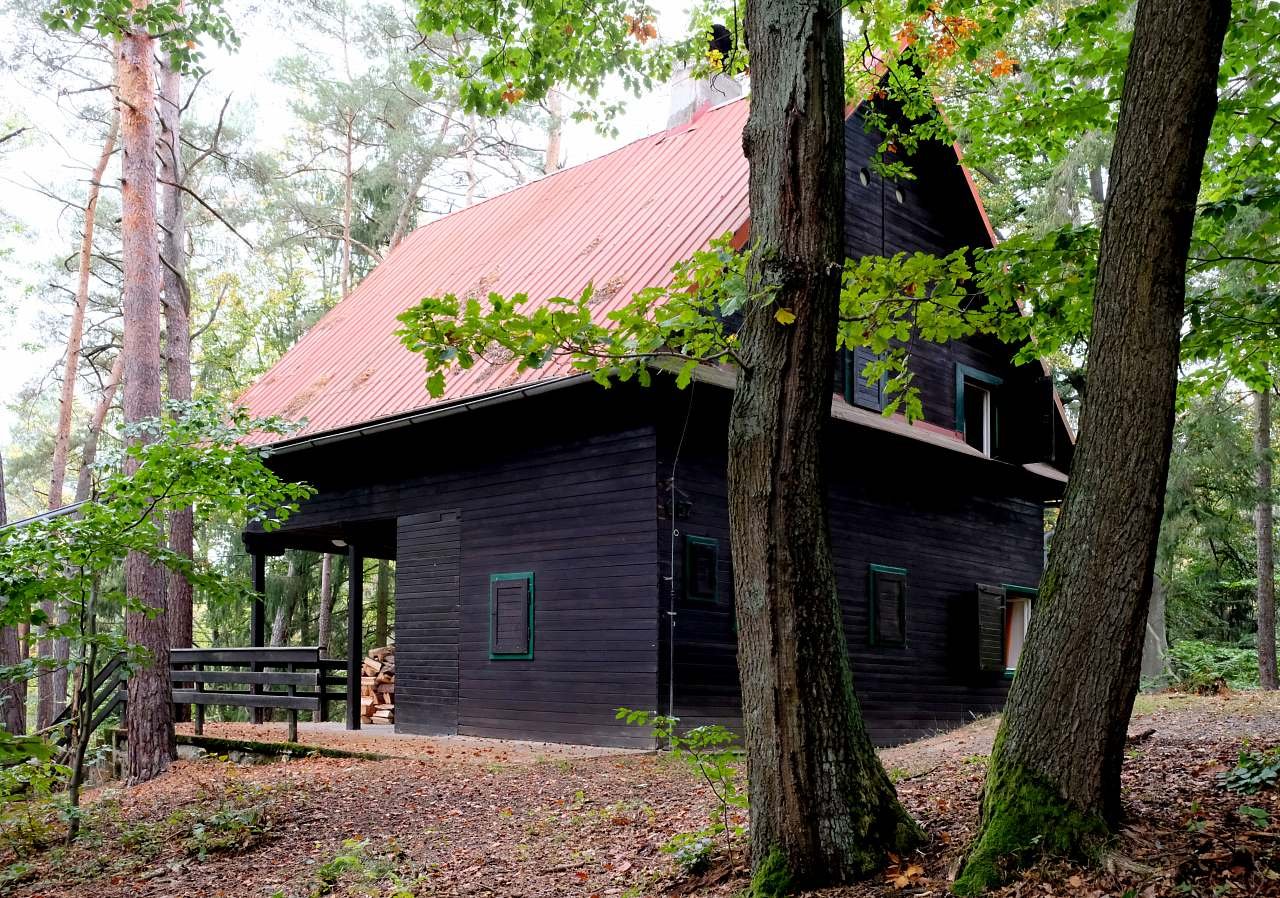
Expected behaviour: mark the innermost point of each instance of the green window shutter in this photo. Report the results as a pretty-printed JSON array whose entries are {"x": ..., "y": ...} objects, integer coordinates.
[
  {"x": 856, "y": 389},
  {"x": 511, "y": 616},
  {"x": 701, "y": 568},
  {"x": 990, "y": 627},
  {"x": 887, "y": 615}
]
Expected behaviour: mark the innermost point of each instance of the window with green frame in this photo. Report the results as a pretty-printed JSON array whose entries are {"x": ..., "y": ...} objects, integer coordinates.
[
  {"x": 511, "y": 616},
  {"x": 887, "y": 612},
  {"x": 977, "y": 412},
  {"x": 1018, "y": 603},
  {"x": 701, "y": 568}
]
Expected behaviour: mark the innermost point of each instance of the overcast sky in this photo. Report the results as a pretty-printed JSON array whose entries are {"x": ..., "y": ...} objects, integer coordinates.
[{"x": 57, "y": 157}]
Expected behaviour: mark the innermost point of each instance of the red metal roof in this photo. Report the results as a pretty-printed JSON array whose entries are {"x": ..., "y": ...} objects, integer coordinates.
[{"x": 620, "y": 222}]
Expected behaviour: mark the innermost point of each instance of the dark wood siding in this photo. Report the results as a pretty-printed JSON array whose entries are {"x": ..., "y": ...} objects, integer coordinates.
[
  {"x": 427, "y": 622},
  {"x": 573, "y": 501},
  {"x": 949, "y": 520}
]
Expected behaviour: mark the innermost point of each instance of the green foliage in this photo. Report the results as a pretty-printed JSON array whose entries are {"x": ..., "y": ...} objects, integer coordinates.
[
  {"x": 29, "y": 816},
  {"x": 230, "y": 828},
  {"x": 524, "y": 48},
  {"x": 364, "y": 872},
  {"x": 177, "y": 25},
  {"x": 1254, "y": 772},
  {"x": 1201, "y": 666},
  {"x": 712, "y": 753}
]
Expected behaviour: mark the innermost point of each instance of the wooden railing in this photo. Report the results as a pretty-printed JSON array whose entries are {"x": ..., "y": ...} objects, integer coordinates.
[{"x": 304, "y": 676}]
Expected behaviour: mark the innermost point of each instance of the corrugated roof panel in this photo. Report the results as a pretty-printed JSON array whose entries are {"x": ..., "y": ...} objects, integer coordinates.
[{"x": 620, "y": 221}]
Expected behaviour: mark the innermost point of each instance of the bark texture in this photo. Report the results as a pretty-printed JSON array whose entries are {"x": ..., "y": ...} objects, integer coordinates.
[
  {"x": 13, "y": 693},
  {"x": 1264, "y": 524},
  {"x": 822, "y": 808},
  {"x": 1053, "y": 783},
  {"x": 177, "y": 318},
  {"x": 149, "y": 718},
  {"x": 281, "y": 624}
]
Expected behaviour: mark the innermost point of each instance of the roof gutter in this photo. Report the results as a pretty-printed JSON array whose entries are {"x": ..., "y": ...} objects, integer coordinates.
[{"x": 428, "y": 414}]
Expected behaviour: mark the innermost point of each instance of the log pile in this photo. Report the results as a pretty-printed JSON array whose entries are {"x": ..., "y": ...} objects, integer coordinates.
[{"x": 378, "y": 686}]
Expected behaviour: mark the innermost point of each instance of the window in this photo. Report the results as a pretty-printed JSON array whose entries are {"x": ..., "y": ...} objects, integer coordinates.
[
  {"x": 857, "y": 391},
  {"x": 1017, "y": 619},
  {"x": 701, "y": 568},
  {"x": 976, "y": 412},
  {"x": 511, "y": 616},
  {"x": 887, "y": 616},
  {"x": 1004, "y": 618}
]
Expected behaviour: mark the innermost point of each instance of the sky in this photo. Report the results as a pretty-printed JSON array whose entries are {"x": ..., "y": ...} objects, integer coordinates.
[{"x": 35, "y": 229}]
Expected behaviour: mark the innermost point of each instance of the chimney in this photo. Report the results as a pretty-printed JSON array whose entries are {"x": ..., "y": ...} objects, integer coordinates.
[{"x": 690, "y": 95}]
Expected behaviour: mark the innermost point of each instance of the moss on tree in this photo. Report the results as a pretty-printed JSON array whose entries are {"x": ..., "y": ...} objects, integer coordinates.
[
  {"x": 772, "y": 877},
  {"x": 1023, "y": 816}
]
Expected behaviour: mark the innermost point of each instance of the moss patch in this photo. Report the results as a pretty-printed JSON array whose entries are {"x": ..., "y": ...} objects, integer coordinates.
[
  {"x": 1023, "y": 817},
  {"x": 772, "y": 877}
]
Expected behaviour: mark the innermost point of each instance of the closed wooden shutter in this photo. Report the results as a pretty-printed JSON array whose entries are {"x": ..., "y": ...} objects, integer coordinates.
[
  {"x": 990, "y": 627},
  {"x": 701, "y": 568},
  {"x": 857, "y": 390},
  {"x": 511, "y": 615},
  {"x": 888, "y": 593}
]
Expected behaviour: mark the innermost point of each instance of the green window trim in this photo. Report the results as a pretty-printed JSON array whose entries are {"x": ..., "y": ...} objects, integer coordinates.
[
  {"x": 494, "y": 580},
  {"x": 963, "y": 373},
  {"x": 873, "y": 605},
  {"x": 1030, "y": 593},
  {"x": 705, "y": 542}
]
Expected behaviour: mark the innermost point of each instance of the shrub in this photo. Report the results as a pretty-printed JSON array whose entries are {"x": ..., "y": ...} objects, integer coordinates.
[
  {"x": 1254, "y": 771},
  {"x": 1200, "y": 666}
]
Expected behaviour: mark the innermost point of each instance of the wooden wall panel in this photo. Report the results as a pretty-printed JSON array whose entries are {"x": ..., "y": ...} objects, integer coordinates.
[{"x": 427, "y": 621}]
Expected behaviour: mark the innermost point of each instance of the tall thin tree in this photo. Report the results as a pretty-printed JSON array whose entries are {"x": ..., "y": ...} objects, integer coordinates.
[
  {"x": 13, "y": 693},
  {"x": 51, "y": 685},
  {"x": 149, "y": 718},
  {"x": 1264, "y": 526},
  {"x": 1053, "y": 783}
]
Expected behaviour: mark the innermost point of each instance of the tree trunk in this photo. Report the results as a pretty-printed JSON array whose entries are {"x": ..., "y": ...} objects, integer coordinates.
[
  {"x": 280, "y": 625},
  {"x": 1264, "y": 522},
  {"x": 822, "y": 808},
  {"x": 75, "y": 333},
  {"x": 555, "y": 104},
  {"x": 177, "y": 316},
  {"x": 348, "y": 178},
  {"x": 149, "y": 719},
  {"x": 325, "y": 623},
  {"x": 13, "y": 693},
  {"x": 51, "y": 685},
  {"x": 1155, "y": 644},
  {"x": 1054, "y": 777},
  {"x": 84, "y": 482},
  {"x": 382, "y": 601}
]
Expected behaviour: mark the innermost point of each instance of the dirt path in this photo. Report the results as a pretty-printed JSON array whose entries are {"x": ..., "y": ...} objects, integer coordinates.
[{"x": 596, "y": 826}]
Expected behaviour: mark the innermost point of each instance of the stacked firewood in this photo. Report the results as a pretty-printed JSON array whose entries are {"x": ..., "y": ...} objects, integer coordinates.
[{"x": 378, "y": 686}]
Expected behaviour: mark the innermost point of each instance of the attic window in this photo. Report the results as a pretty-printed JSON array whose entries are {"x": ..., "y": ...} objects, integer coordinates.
[
  {"x": 976, "y": 408},
  {"x": 701, "y": 568}
]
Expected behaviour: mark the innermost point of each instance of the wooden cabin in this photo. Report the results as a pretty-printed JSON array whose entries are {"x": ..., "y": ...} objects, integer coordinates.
[{"x": 563, "y": 550}]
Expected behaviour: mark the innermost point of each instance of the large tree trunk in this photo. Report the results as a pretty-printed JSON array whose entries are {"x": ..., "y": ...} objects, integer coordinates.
[
  {"x": 1155, "y": 642},
  {"x": 555, "y": 129},
  {"x": 281, "y": 623},
  {"x": 325, "y": 622},
  {"x": 84, "y": 482},
  {"x": 13, "y": 693},
  {"x": 348, "y": 184},
  {"x": 177, "y": 316},
  {"x": 1264, "y": 522},
  {"x": 51, "y": 685},
  {"x": 1054, "y": 777},
  {"x": 149, "y": 720},
  {"x": 822, "y": 808}
]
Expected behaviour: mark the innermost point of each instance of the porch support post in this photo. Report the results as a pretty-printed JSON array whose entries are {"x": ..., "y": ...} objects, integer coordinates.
[
  {"x": 355, "y": 633},
  {"x": 258, "y": 617}
]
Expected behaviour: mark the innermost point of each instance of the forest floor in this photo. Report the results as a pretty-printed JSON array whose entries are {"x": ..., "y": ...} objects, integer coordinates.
[{"x": 532, "y": 824}]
